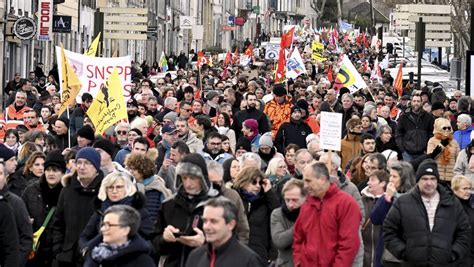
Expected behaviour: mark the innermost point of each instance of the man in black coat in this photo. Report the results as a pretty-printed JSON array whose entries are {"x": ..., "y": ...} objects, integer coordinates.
[
  {"x": 9, "y": 242},
  {"x": 415, "y": 127},
  {"x": 75, "y": 206},
  {"x": 293, "y": 132},
  {"x": 250, "y": 113},
  {"x": 427, "y": 226},
  {"x": 222, "y": 248}
]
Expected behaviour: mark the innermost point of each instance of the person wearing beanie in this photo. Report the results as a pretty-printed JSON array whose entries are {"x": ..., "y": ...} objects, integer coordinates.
[
  {"x": 293, "y": 132},
  {"x": 106, "y": 150},
  {"x": 429, "y": 211},
  {"x": 266, "y": 150},
  {"x": 250, "y": 132},
  {"x": 85, "y": 136},
  {"x": 179, "y": 224},
  {"x": 171, "y": 117},
  {"x": 40, "y": 197},
  {"x": 242, "y": 146},
  {"x": 437, "y": 110},
  {"x": 278, "y": 109},
  {"x": 76, "y": 205},
  {"x": 60, "y": 128}
]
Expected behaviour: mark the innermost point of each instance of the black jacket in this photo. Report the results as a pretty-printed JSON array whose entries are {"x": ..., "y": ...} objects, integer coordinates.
[
  {"x": 39, "y": 199},
  {"x": 258, "y": 214},
  {"x": 9, "y": 242},
  {"x": 414, "y": 131},
  {"x": 92, "y": 228},
  {"x": 292, "y": 133},
  {"x": 182, "y": 213},
  {"x": 75, "y": 207},
  {"x": 259, "y": 116},
  {"x": 136, "y": 254},
  {"x": 391, "y": 144},
  {"x": 230, "y": 254},
  {"x": 23, "y": 225},
  {"x": 407, "y": 235},
  {"x": 469, "y": 209}
]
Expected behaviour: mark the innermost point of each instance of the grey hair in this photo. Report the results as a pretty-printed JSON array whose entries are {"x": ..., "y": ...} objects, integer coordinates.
[
  {"x": 368, "y": 109},
  {"x": 129, "y": 188},
  {"x": 407, "y": 175},
  {"x": 319, "y": 170},
  {"x": 128, "y": 217},
  {"x": 170, "y": 100},
  {"x": 335, "y": 159},
  {"x": 350, "y": 96},
  {"x": 213, "y": 166},
  {"x": 464, "y": 118},
  {"x": 250, "y": 156},
  {"x": 122, "y": 125},
  {"x": 230, "y": 210},
  {"x": 383, "y": 128}
]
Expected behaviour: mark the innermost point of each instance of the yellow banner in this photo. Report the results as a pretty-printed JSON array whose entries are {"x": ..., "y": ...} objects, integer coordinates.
[
  {"x": 109, "y": 105},
  {"x": 318, "y": 49},
  {"x": 70, "y": 85},
  {"x": 92, "y": 50}
]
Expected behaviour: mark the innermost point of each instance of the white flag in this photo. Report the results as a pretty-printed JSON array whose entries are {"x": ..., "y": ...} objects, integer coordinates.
[{"x": 294, "y": 65}]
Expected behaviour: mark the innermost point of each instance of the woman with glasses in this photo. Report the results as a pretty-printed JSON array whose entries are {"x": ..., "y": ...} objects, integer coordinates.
[
  {"x": 119, "y": 242},
  {"x": 117, "y": 188},
  {"x": 462, "y": 188},
  {"x": 443, "y": 136},
  {"x": 277, "y": 171},
  {"x": 385, "y": 141},
  {"x": 402, "y": 180},
  {"x": 259, "y": 201}
]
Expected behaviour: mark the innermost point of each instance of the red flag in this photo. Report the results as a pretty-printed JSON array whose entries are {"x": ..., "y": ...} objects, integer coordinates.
[
  {"x": 398, "y": 83},
  {"x": 287, "y": 38},
  {"x": 228, "y": 59},
  {"x": 249, "y": 51},
  {"x": 235, "y": 58},
  {"x": 330, "y": 78},
  {"x": 202, "y": 59},
  {"x": 280, "y": 71}
]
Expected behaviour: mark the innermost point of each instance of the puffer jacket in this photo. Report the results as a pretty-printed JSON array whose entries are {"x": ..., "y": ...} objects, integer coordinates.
[
  {"x": 463, "y": 137},
  {"x": 278, "y": 113},
  {"x": 445, "y": 170},
  {"x": 408, "y": 237},
  {"x": 414, "y": 131}
]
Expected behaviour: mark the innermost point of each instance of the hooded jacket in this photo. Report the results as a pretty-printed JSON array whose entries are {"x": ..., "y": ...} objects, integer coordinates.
[
  {"x": 278, "y": 113},
  {"x": 195, "y": 144},
  {"x": 318, "y": 240}
]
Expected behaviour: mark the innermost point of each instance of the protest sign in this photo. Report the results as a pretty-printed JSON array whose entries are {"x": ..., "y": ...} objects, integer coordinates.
[{"x": 330, "y": 134}]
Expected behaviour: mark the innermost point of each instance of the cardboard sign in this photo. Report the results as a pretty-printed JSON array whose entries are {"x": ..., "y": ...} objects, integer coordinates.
[
  {"x": 330, "y": 134},
  {"x": 94, "y": 71}
]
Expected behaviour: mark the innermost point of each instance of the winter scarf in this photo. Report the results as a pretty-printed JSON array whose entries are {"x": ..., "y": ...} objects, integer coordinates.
[
  {"x": 250, "y": 197},
  {"x": 292, "y": 215},
  {"x": 104, "y": 251},
  {"x": 124, "y": 201},
  {"x": 445, "y": 155}
]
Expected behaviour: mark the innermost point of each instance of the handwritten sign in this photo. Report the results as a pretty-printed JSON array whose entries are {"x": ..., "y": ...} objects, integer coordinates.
[{"x": 330, "y": 133}]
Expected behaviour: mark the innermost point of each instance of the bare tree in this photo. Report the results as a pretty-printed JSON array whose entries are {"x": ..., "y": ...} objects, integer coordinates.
[{"x": 318, "y": 8}]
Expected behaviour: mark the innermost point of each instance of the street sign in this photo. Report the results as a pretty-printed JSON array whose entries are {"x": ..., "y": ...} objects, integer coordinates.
[
  {"x": 45, "y": 20},
  {"x": 231, "y": 21},
  {"x": 62, "y": 24},
  {"x": 186, "y": 22},
  {"x": 24, "y": 28}
]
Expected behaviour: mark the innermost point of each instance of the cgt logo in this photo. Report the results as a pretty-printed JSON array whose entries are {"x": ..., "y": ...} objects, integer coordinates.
[{"x": 45, "y": 20}]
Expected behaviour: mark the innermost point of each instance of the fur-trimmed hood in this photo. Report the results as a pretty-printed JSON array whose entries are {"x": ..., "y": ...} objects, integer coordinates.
[{"x": 190, "y": 169}]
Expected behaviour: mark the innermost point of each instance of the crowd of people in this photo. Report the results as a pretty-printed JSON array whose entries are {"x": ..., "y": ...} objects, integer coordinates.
[{"x": 216, "y": 168}]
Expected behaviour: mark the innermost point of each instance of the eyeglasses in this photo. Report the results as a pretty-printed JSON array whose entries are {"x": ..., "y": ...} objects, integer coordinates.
[
  {"x": 112, "y": 188},
  {"x": 160, "y": 83},
  {"x": 122, "y": 132},
  {"x": 446, "y": 128},
  {"x": 256, "y": 182},
  {"x": 107, "y": 225}
]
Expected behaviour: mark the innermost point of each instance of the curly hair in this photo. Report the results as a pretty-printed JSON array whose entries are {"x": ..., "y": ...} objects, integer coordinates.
[{"x": 142, "y": 164}]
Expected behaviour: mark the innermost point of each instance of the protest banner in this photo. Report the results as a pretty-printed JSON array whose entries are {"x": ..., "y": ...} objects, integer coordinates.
[
  {"x": 318, "y": 49},
  {"x": 330, "y": 134},
  {"x": 70, "y": 84},
  {"x": 295, "y": 65},
  {"x": 349, "y": 77},
  {"x": 109, "y": 105},
  {"x": 92, "y": 50},
  {"x": 93, "y": 71}
]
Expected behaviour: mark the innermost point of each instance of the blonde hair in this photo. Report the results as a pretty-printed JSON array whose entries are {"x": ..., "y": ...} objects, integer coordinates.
[
  {"x": 129, "y": 187},
  {"x": 457, "y": 180},
  {"x": 293, "y": 183},
  {"x": 273, "y": 166}
]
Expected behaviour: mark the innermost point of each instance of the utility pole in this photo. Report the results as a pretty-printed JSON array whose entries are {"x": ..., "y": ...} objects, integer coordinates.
[{"x": 420, "y": 45}]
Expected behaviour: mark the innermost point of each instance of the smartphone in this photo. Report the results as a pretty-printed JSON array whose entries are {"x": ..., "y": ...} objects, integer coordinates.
[{"x": 180, "y": 234}]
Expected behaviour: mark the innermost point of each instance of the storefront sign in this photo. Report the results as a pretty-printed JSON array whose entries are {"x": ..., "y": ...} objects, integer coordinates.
[
  {"x": 24, "y": 28},
  {"x": 45, "y": 20},
  {"x": 62, "y": 24}
]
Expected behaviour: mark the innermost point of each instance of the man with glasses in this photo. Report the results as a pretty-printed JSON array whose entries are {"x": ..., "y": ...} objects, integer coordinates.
[
  {"x": 121, "y": 135},
  {"x": 131, "y": 136},
  {"x": 75, "y": 206},
  {"x": 185, "y": 110},
  {"x": 415, "y": 128},
  {"x": 213, "y": 150},
  {"x": 184, "y": 134},
  {"x": 169, "y": 133}
]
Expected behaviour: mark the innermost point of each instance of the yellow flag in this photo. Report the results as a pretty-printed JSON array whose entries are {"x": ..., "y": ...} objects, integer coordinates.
[
  {"x": 109, "y": 105},
  {"x": 92, "y": 50},
  {"x": 70, "y": 84}
]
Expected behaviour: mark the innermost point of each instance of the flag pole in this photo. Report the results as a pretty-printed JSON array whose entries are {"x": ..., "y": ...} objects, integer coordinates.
[{"x": 68, "y": 129}]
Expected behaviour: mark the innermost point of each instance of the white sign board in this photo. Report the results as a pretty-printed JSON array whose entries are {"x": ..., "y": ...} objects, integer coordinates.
[
  {"x": 45, "y": 20},
  {"x": 198, "y": 32},
  {"x": 94, "y": 71},
  {"x": 186, "y": 22},
  {"x": 330, "y": 134}
]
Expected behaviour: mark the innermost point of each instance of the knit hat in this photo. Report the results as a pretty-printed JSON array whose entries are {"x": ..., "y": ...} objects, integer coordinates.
[
  {"x": 65, "y": 121},
  {"x": 91, "y": 155},
  {"x": 279, "y": 90},
  {"x": 266, "y": 140},
  {"x": 86, "y": 132},
  {"x": 427, "y": 167},
  {"x": 252, "y": 124},
  {"x": 105, "y": 145},
  {"x": 6, "y": 153},
  {"x": 243, "y": 143},
  {"x": 135, "y": 130},
  {"x": 172, "y": 116},
  {"x": 211, "y": 95},
  {"x": 56, "y": 159},
  {"x": 303, "y": 104},
  {"x": 193, "y": 165},
  {"x": 295, "y": 108},
  {"x": 437, "y": 105}
]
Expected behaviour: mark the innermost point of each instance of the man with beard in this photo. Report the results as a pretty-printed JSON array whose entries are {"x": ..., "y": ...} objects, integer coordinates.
[
  {"x": 184, "y": 134},
  {"x": 293, "y": 132},
  {"x": 350, "y": 147},
  {"x": 348, "y": 110},
  {"x": 132, "y": 109},
  {"x": 359, "y": 102},
  {"x": 213, "y": 150},
  {"x": 233, "y": 98},
  {"x": 415, "y": 127},
  {"x": 250, "y": 113},
  {"x": 278, "y": 109},
  {"x": 283, "y": 219}
]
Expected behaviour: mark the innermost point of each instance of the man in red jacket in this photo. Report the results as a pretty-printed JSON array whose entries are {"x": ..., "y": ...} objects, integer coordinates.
[{"x": 325, "y": 234}]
